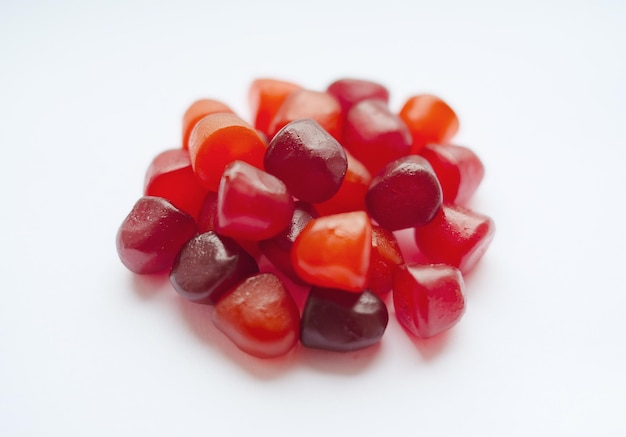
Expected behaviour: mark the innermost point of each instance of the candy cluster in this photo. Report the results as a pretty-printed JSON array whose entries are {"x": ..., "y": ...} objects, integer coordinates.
[{"x": 318, "y": 184}]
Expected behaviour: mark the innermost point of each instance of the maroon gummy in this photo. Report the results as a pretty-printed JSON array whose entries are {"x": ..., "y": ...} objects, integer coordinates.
[
  {"x": 150, "y": 237},
  {"x": 210, "y": 265},
  {"x": 310, "y": 162},
  {"x": 342, "y": 321},
  {"x": 405, "y": 194}
]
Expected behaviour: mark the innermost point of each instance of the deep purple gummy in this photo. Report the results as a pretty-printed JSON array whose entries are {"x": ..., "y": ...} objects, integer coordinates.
[
  {"x": 342, "y": 321},
  {"x": 278, "y": 249},
  {"x": 404, "y": 194},
  {"x": 152, "y": 234},
  {"x": 210, "y": 265},
  {"x": 310, "y": 162}
]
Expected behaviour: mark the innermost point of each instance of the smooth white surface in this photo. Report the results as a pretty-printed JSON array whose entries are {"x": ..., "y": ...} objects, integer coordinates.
[{"x": 91, "y": 91}]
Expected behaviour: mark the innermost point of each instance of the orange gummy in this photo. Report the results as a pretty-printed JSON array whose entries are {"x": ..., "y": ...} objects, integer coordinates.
[
  {"x": 196, "y": 112},
  {"x": 351, "y": 194},
  {"x": 334, "y": 251},
  {"x": 429, "y": 119},
  {"x": 219, "y": 139}
]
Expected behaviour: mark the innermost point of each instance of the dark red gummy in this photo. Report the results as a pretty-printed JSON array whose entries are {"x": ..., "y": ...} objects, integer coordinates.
[
  {"x": 351, "y": 91},
  {"x": 458, "y": 169},
  {"x": 210, "y": 265},
  {"x": 384, "y": 260},
  {"x": 457, "y": 236},
  {"x": 310, "y": 162},
  {"x": 342, "y": 321},
  {"x": 251, "y": 204},
  {"x": 150, "y": 237},
  {"x": 428, "y": 299},
  {"x": 405, "y": 194},
  {"x": 375, "y": 135},
  {"x": 278, "y": 248}
]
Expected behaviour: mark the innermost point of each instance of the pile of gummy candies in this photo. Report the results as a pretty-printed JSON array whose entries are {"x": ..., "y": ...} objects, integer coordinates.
[{"x": 318, "y": 185}]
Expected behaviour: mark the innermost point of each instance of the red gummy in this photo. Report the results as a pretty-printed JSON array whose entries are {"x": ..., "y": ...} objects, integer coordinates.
[
  {"x": 458, "y": 169},
  {"x": 405, "y": 194},
  {"x": 208, "y": 213},
  {"x": 319, "y": 106},
  {"x": 208, "y": 266},
  {"x": 351, "y": 193},
  {"x": 340, "y": 321},
  {"x": 334, "y": 251},
  {"x": 457, "y": 236},
  {"x": 310, "y": 162},
  {"x": 170, "y": 176},
  {"x": 384, "y": 260},
  {"x": 278, "y": 248},
  {"x": 259, "y": 316},
  {"x": 350, "y": 91},
  {"x": 429, "y": 119},
  {"x": 375, "y": 135},
  {"x": 428, "y": 299},
  {"x": 150, "y": 237},
  {"x": 251, "y": 204}
]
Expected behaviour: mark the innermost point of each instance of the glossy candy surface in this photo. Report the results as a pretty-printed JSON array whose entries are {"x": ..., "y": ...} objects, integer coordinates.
[
  {"x": 322, "y": 107},
  {"x": 170, "y": 176},
  {"x": 208, "y": 266},
  {"x": 334, "y": 251},
  {"x": 428, "y": 299},
  {"x": 251, "y": 204},
  {"x": 265, "y": 97},
  {"x": 310, "y": 162},
  {"x": 351, "y": 193},
  {"x": 208, "y": 213},
  {"x": 219, "y": 139},
  {"x": 196, "y": 112},
  {"x": 456, "y": 236},
  {"x": 336, "y": 320},
  {"x": 151, "y": 235},
  {"x": 458, "y": 169},
  {"x": 429, "y": 119},
  {"x": 375, "y": 135},
  {"x": 405, "y": 194},
  {"x": 384, "y": 260},
  {"x": 350, "y": 91},
  {"x": 278, "y": 248},
  {"x": 259, "y": 316},
  {"x": 322, "y": 203}
]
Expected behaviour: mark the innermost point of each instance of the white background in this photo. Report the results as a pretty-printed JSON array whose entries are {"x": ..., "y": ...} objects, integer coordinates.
[{"x": 91, "y": 91}]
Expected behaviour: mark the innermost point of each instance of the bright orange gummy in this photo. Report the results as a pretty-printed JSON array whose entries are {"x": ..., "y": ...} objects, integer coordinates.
[
  {"x": 198, "y": 110},
  {"x": 321, "y": 107},
  {"x": 219, "y": 139},
  {"x": 265, "y": 96},
  {"x": 429, "y": 119},
  {"x": 334, "y": 251}
]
